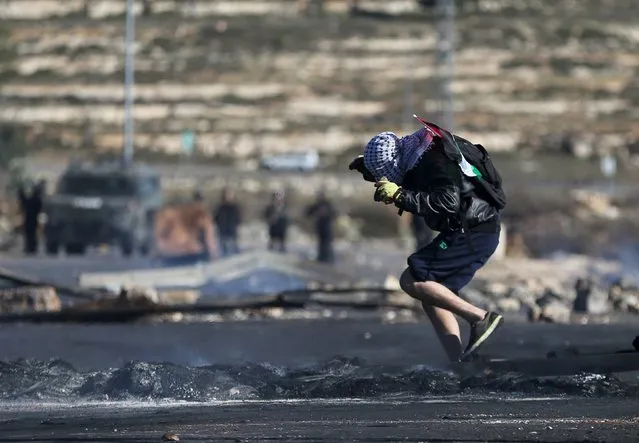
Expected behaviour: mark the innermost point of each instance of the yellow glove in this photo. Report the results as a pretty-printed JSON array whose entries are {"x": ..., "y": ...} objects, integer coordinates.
[{"x": 386, "y": 191}]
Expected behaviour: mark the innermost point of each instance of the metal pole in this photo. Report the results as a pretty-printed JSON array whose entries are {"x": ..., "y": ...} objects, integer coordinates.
[
  {"x": 127, "y": 154},
  {"x": 445, "y": 50}
]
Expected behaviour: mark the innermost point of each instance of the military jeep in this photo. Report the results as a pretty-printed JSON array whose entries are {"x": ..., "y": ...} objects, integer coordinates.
[{"x": 103, "y": 204}]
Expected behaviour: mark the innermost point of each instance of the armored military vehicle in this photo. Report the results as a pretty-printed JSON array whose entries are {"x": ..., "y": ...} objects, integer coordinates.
[{"x": 103, "y": 204}]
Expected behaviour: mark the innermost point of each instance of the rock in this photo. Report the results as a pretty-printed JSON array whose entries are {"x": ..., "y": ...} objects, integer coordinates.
[
  {"x": 597, "y": 204},
  {"x": 171, "y": 317},
  {"x": 170, "y": 436},
  {"x": 553, "y": 308},
  {"x": 29, "y": 298},
  {"x": 589, "y": 298},
  {"x": 625, "y": 300},
  {"x": 508, "y": 305},
  {"x": 186, "y": 297},
  {"x": 496, "y": 289},
  {"x": 598, "y": 304},
  {"x": 524, "y": 295},
  {"x": 136, "y": 296},
  {"x": 128, "y": 297},
  {"x": 555, "y": 311},
  {"x": 629, "y": 303},
  {"x": 478, "y": 299}
]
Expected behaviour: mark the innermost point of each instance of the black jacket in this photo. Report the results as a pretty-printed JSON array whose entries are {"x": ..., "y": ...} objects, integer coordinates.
[
  {"x": 437, "y": 190},
  {"x": 277, "y": 219}
]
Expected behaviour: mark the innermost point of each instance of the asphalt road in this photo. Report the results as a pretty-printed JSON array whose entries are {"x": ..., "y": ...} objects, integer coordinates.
[
  {"x": 441, "y": 420},
  {"x": 289, "y": 343}
]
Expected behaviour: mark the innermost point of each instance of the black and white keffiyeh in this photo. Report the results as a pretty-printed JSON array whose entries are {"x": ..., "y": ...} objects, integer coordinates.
[{"x": 387, "y": 155}]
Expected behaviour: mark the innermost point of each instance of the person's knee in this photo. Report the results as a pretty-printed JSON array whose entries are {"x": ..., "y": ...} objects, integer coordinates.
[
  {"x": 407, "y": 282},
  {"x": 410, "y": 286}
]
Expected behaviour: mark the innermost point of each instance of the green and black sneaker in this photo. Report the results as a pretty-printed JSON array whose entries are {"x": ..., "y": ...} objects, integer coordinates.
[{"x": 480, "y": 331}]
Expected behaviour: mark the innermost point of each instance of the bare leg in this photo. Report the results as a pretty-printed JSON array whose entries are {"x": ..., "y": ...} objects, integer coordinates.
[
  {"x": 440, "y": 303},
  {"x": 447, "y": 329},
  {"x": 435, "y": 294}
]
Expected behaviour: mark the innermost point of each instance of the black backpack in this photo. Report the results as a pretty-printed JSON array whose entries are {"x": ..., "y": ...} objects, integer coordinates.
[{"x": 488, "y": 182}]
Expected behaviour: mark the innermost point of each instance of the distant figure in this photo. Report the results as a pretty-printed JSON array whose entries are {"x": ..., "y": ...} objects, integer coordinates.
[
  {"x": 147, "y": 9},
  {"x": 324, "y": 213},
  {"x": 228, "y": 218},
  {"x": 421, "y": 232},
  {"x": 184, "y": 234},
  {"x": 30, "y": 199},
  {"x": 277, "y": 219}
]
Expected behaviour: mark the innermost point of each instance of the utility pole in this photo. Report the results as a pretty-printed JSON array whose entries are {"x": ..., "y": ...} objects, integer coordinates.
[
  {"x": 445, "y": 16},
  {"x": 408, "y": 120},
  {"x": 127, "y": 154}
]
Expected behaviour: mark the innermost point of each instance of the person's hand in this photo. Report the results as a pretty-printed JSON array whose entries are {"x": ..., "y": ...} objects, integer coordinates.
[
  {"x": 386, "y": 191},
  {"x": 358, "y": 165}
]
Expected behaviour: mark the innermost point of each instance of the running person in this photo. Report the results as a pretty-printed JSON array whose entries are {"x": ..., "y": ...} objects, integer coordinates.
[{"x": 416, "y": 175}]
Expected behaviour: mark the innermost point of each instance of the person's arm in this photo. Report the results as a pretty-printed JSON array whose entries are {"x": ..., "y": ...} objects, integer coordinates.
[{"x": 442, "y": 199}]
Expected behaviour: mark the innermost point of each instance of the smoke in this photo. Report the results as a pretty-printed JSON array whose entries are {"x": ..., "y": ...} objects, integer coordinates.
[{"x": 628, "y": 256}]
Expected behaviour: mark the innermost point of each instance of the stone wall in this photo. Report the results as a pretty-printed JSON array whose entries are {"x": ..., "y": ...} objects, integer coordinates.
[{"x": 265, "y": 75}]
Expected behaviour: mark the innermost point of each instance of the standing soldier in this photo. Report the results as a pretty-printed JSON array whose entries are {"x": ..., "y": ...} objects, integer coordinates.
[
  {"x": 278, "y": 220},
  {"x": 324, "y": 213},
  {"x": 228, "y": 218},
  {"x": 30, "y": 199}
]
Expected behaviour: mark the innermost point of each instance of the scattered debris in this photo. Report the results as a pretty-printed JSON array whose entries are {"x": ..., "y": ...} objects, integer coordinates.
[
  {"x": 554, "y": 311},
  {"x": 11, "y": 279},
  {"x": 29, "y": 298},
  {"x": 129, "y": 297},
  {"x": 593, "y": 203},
  {"x": 624, "y": 299}
]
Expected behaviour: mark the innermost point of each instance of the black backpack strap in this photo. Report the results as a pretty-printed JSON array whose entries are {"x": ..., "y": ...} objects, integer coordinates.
[{"x": 465, "y": 205}]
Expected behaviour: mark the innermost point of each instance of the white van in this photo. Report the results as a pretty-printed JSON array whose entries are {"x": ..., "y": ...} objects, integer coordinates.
[{"x": 293, "y": 161}]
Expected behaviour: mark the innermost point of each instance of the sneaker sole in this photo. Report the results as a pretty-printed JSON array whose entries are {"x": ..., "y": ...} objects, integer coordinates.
[{"x": 480, "y": 341}]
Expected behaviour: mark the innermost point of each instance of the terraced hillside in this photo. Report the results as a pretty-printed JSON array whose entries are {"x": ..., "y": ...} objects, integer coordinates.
[{"x": 254, "y": 76}]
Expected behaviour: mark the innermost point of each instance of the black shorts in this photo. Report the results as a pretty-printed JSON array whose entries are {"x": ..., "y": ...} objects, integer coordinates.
[{"x": 452, "y": 259}]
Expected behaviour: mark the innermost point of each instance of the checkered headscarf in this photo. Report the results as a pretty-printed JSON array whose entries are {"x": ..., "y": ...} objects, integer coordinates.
[{"x": 387, "y": 155}]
